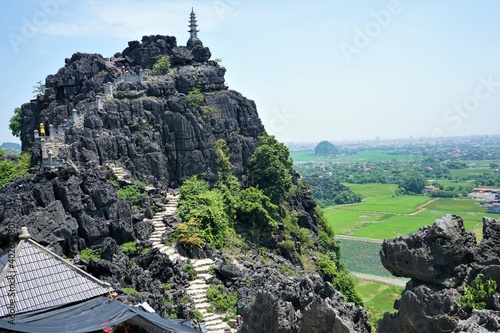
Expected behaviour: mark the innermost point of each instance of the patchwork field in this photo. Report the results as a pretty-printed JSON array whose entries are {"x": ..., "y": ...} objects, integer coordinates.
[
  {"x": 362, "y": 156},
  {"x": 378, "y": 298}
]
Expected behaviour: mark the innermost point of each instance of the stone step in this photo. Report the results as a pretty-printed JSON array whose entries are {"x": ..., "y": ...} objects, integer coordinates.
[
  {"x": 205, "y": 276},
  {"x": 203, "y": 305},
  {"x": 202, "y": 269},
  {"x": 214, "y": 327}
]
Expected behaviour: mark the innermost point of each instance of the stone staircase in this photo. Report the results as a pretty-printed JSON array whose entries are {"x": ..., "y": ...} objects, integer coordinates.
[
  {"x": 119, "y": 172},
  {"x": 197, "y": 289}
]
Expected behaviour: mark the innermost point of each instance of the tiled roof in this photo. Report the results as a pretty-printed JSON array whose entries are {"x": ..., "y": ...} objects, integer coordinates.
[{"x": 43, "y": 279}]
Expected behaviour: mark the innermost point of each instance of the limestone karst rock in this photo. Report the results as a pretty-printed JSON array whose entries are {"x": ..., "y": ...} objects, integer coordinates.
[{"x": 439, "y": 259}]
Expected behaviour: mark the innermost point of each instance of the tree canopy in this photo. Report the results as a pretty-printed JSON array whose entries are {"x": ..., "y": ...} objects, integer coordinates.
[
  {"x": 15, "y": 123},
  {"x": 272, "y": 168}
]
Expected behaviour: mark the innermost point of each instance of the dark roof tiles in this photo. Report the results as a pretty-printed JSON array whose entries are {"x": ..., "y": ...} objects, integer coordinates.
[{"x": 43, "y": 279}]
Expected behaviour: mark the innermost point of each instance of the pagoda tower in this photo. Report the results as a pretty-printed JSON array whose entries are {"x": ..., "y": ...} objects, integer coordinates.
[{"x": 193, "y": 32}]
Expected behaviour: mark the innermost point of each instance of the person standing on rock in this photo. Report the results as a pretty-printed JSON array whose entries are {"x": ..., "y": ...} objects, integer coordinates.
[
  {"x": 42, "y": 129},
  {"x": 239, "y": 321}
]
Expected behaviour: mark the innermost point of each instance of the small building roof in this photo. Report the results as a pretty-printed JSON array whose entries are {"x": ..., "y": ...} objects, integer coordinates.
[{"x": 36, "y": 278}]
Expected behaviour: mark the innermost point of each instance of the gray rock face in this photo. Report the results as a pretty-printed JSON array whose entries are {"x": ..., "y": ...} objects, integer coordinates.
[
  {"x": 150, "y": 127},
  {"x": 275, "y": 302},
  {"x": 159, "y": 130},
  {"x": 435, "y": 254},
  {"x": 439, "y": 259},
  {"x": 64, "y": 208}
]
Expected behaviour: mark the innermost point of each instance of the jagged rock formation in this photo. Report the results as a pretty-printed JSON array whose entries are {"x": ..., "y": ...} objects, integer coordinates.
[
  {"x": 111, "y": 124},
  {"x": 148, "y": 127},
  {"x": 439, "y": 259}
]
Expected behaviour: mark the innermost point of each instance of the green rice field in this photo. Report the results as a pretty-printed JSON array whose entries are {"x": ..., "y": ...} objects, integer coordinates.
[
  {"x": 378, "y": 298},
  {"x": 305, "y": 156}
]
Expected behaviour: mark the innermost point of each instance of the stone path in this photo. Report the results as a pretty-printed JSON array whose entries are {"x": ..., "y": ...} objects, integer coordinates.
[{"x": 197, "y": 289}]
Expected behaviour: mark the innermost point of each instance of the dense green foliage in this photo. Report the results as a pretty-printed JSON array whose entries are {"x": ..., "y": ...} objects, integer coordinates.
[
  {"x": 131, "y": 193},
  {"x": 89, "y": 254},
  {"x": 272, "y": 168},
  {"x": 162, "y": 65},
  {"x": 474, "y": 295},
  {"x": 191, "y": 273},
  {"x": 329, "y": 191},
  {"x": 412, "y": 184},
  {"x": 344, "y": 283},
  {"x": 326, "y": 148},
  {"x": 221, "y": 301},
  {"x": 15, "y": 123},
  {"x": 129, "y": 248},
  {"x": 207, "y": 208},
  {"x": 188, "y": 233},
  {"x": 195, "y": 98},
  {"x": 11, "y": 169}
]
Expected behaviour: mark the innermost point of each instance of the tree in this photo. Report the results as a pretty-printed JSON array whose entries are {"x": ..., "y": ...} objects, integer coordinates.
[
  {"x": 39, "y": 89},
  {"x": 413, "y": 183},
  {"x": 271, "y": 168},
  {"x": 15, "y": 123},
  {"x": 206, "y": 207},
  {"x": 256, "y": 210},
  {"x": 162, "y": 65},
  {"x": 10, "y": 170}
]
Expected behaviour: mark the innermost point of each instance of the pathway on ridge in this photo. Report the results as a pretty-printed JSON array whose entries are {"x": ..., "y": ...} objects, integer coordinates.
[{"x": 197, "y": 289}]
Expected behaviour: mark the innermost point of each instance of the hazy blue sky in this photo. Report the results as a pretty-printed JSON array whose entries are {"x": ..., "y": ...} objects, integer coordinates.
[{"x": 317, "y": 70}]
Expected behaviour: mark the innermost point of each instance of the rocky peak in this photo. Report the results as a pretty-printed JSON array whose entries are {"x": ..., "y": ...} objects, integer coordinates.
[
  {"x": 439, "y": 259},
  {"x": 149, "y": 123}
]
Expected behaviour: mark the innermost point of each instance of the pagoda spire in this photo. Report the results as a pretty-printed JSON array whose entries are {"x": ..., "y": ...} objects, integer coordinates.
[{"x": 193, "y": 25}]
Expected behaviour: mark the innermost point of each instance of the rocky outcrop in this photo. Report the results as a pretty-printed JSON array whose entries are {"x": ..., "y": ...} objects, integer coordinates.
[
  {"x": 148, "y": 126},
  {"x": 124, "y": 132},
  {"x": 439, "y": 259},
  {"x": 272, "y": 301}
]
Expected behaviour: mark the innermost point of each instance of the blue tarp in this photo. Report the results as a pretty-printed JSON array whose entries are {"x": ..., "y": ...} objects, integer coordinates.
[{"x": 93, "y": 315}]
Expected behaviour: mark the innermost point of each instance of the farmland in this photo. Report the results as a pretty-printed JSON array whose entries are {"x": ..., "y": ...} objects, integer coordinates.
[{"x": 385, "y": 174}]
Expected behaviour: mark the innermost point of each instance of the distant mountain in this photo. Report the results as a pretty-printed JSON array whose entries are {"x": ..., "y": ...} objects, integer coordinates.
[
  {"x": 11, "y": 148},
  {"x": 326, "y": 148}
]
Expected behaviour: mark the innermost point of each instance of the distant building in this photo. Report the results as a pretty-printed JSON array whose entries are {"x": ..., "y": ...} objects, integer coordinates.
[{"x": 493, "y": 208}]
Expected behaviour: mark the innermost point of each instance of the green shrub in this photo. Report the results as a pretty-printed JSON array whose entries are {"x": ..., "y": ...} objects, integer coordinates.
[
  {"x": 10, "y": 170},
  {"x": 474, "y": 294},
  {"x": 162, "y": 65},
  {"x": 191, "y": 273},
  {"x": 88, "y": 254},
  {"x": 166, "y": 286},
  {"x": 305, "y": 237},
  {"x": 326, "y": 267},
  {"x": 130, "y": 290},
  {"x": 197, "y": 314},
  {"x": 195, "y": 98},
  {"x": 345, "y": 284},
  {"x": 129, "y": 248},
  {"x": 222, "y": 302},
  {"x": 187, "y": 233},
  {"x": 131, "y": 193},
  {"x": 285, "y": 269}
]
